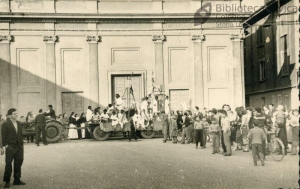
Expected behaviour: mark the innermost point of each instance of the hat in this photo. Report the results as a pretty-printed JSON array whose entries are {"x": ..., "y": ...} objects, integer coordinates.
[{"x": 280, "y": 107}]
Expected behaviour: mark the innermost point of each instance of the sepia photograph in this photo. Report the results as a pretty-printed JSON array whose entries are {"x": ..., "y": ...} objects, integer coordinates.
[{"x": 149, "y": 94}]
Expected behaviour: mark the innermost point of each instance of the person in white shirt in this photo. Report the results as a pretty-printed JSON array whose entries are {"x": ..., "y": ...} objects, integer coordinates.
[
  {"x": 104, "y": 116},
  {"x": 119, "y": 102},
  {"x": 167, "y": 103},
  {"x": 114, "y": 119},
  {"x": 89, "y": 114},
  {"x": 136, "y": 119},
  {"x": 155, "y": 105},
  {"x": 144, "y": 109},
  {"x": 225, "y": 124},
  {"x": 73, "y": 132}
]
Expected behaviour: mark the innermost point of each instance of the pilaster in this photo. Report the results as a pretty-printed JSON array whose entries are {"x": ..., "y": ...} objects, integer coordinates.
[
  {"x": 238, "y": 69},
  {"x": 198, "y": 73},
  {"x": 159, "y": 62},
  {"x": 93, "y": 70},
  {"x": 5, "y": 74},
  {"x": 50, "y": 70}
]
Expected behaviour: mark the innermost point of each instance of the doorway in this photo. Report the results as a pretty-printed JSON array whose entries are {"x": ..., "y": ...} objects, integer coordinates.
[
  {"x": 119, "y": 85},
  {"x": 72, "y": 102}
]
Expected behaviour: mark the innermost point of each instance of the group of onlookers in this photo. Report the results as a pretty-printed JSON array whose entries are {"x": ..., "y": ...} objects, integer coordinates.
[{"x": 241, "y": 129}]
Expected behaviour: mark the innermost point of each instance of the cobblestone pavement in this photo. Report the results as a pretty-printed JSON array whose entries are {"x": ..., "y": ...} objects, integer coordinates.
[{"x": 147, "y": 164}]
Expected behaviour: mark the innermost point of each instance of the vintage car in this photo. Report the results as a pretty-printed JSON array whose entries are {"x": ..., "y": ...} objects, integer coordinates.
[{"x": 102, "y": 131}]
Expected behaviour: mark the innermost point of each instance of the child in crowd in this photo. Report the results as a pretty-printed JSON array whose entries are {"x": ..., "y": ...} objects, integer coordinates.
[
  {"x": 256, "y": 136},
  {"x": 214, "y": 130},
  {"x": 205, "y": 127},
  {"x": 114, "y": 119},
  {"x": 104, "y": 117}
]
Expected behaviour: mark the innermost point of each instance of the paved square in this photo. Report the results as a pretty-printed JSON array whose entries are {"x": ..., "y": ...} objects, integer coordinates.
[{"x": 148, "y": 163}]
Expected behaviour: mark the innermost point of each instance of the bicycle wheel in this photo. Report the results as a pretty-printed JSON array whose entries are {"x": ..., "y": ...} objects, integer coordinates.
[{"x": 277, "y": 149}]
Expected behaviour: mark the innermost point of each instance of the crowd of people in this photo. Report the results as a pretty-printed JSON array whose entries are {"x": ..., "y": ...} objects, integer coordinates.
[
  {"x": 240, "y": 129},
  {"x": 226, "y": 128}
]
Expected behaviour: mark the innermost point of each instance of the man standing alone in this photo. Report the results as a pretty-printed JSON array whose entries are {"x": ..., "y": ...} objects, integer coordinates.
[
  {"x": 40, "y": 121},
  {"x": 13, "y": 141}
]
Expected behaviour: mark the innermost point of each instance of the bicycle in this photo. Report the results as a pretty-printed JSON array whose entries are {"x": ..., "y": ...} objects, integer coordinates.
[{"x": 275, "y": 147}]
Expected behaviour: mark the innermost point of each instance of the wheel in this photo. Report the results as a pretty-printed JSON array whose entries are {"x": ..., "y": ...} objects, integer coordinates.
[
  {"x": 53, "y": 132},
  {"x": 147, "y": 134},
  {"x": 276, "y": 149},
  {"x": 100, "y": 135}
]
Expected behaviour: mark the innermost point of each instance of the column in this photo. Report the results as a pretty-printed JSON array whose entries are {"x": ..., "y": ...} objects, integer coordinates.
[
  {"x": 93, "y": 70},
  {"x": 159, "y": 61},
  {"x": 50, "y": 70},
  {"x": 198, "y": 65},
  {"x": 5, "y": 74},
  {"x": 238, "y": 69}
]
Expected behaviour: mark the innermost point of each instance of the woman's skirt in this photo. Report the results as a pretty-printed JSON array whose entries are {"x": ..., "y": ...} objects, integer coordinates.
[
  {"x": 239, "y": 136},
  {"x": 233, "y": 135},
  {"x": 82, "y": 130},
  {"x": 73, "y": 132}
]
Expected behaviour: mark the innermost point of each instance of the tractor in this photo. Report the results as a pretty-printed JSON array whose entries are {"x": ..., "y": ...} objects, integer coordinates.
[{"x": 55, "y": 130}]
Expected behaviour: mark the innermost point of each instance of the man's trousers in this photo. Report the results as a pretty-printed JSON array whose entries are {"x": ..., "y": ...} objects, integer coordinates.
[
  {"x": 40, "y": 129},
  {"x": 227, "y": 142},
  {"x": 257, "y": 149},
  {"x": 13, "y": 154}
]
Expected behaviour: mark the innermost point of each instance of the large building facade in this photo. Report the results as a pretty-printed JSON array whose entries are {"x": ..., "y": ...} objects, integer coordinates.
[
  {"x": 72, "y": 54},
  {"x": 271, "y": 55}
]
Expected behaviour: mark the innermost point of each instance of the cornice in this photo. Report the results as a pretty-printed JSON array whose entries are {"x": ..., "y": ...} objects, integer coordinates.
[{"x": 110, "y": 18}]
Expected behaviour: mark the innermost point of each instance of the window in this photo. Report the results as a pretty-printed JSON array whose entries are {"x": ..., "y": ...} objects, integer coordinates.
[
  {"x": 260, "y": 37},
  {"x": 262, "y": 70},
  {"x": 283, "y": 66},
  {"x": 263, "y": 101}
]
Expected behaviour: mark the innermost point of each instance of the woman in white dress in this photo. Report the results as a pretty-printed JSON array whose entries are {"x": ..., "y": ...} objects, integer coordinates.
[
  {"x": 114, "y": 119},
  {"x": 82, "y": 124},
  {"x": 72, "y": 122}
]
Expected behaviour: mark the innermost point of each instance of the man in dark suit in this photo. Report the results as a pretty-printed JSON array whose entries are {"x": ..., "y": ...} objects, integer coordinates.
[
  {"x": 50, "y": 113},
  {"x": 40, "y": 121},
  {"x": 132, "y": 129},
  {"x": 13, "y": 141},
  {"x": 185, "y": 129}
]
